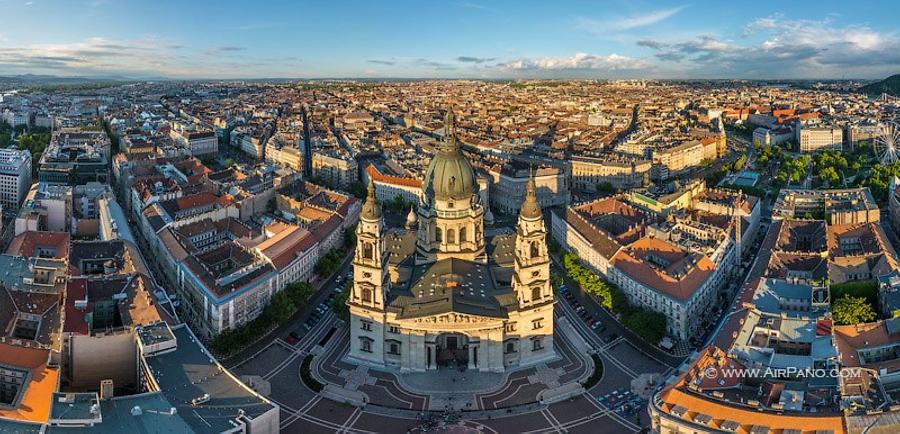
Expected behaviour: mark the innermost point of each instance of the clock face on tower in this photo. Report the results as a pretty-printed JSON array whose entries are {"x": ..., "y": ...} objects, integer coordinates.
[{"x": 367, "y": 274}]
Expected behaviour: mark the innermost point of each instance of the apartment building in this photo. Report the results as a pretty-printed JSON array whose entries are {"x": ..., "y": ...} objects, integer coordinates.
[
  {"x": 509, "y": 185},
  {"x": 812, "y": 139},
  {"x": 668, "y": 161},
  {"x": 622, "y": 172},
  {"x": 338, "y": 170}
]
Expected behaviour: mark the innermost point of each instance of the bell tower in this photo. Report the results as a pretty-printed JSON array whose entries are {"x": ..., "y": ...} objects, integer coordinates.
[
  {"x": 531, "y": 281},
  {"x": 371, "y": 284},
  {"x": 369, "y": 262}
]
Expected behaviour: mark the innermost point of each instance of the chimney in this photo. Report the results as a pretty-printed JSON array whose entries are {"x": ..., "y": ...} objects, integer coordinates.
[{"x": 107, "y": 391}]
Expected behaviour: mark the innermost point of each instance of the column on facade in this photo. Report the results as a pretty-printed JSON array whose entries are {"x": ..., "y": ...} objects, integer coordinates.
[{"x": 432, "y": 351}]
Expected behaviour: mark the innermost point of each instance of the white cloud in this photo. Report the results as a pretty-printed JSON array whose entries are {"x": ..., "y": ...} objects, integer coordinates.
[
  {"x": 606, "y": 26},
  {"x": 580, "y": 61},
  {"x": 787, "y": 48},
  {"x": 141, "y": 57}
]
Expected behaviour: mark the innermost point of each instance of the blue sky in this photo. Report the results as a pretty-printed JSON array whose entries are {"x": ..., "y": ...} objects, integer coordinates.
[{"x": 451, "y": 39}]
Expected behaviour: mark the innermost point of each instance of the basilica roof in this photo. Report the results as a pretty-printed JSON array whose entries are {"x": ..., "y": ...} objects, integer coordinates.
[{"x": 452, "y": 285}]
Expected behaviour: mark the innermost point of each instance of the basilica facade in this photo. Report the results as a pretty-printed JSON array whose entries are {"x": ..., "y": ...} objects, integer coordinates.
[{"x": 440, "y": 292}]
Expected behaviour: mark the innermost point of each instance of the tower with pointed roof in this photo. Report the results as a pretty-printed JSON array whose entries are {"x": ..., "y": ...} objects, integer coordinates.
[
  {"x": 368, "y": 296},
  {"x": 531, "y": 274}
]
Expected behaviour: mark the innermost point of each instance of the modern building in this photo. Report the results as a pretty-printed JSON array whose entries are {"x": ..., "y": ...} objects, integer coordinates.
[
  {"x": 441, "y": 293},
  {"x": 15, "y": 177},
  {"x": 75, "y": 158},
  {"x": 839, "y": 207}
]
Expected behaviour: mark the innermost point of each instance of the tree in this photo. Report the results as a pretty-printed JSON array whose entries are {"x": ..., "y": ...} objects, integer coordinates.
[
  {"x": 605, "y": 188},
  {"x": 739, "y": 163},
  {"x": 350, "y": 237},
  {"x": 830, "y": 175},
  {"x": 849, "y": 310},
  {"x": 358, "y": 189},
  {"x": 398, "y": 203},
  {"x": 339, "y": 303},
  {"x": 650, "y": 326}
]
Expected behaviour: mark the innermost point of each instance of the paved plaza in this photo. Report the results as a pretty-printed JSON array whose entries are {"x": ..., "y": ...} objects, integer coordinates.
[{"x": 450, "y": 400}]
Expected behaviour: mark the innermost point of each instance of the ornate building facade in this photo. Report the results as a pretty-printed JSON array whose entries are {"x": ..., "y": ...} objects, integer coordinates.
[{"x": 440, "y": 292}]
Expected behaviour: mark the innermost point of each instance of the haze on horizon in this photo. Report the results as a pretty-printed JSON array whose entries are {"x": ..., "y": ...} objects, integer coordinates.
[{"x": 452, "y": 39}]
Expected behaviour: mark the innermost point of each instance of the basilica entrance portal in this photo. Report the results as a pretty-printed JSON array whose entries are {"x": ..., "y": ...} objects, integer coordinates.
[{"x": 452, "y": 350}]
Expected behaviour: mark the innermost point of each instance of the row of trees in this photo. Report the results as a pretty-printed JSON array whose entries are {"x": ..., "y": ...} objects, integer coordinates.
[
  {"x": 329, "y": 263},
  {"x": 650, "y": 326},
  {"x": 280, "y": 308}
]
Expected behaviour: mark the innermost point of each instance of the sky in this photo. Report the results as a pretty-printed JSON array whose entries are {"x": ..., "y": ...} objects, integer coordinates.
[{"x": 451, "y": 39}]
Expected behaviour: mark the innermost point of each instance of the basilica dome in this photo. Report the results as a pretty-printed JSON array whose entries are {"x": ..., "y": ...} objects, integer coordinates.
[{"x": 450, "y": 175}]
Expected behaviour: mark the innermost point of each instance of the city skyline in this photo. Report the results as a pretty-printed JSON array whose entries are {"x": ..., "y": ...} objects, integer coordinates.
[{"x": 481, "y": 40}]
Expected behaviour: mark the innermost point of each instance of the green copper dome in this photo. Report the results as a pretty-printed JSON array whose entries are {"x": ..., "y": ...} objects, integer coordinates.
[{"x": 450, "y": 175}]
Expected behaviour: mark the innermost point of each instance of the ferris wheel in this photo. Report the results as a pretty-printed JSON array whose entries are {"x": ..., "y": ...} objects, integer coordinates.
[{"x": 887, "y": 142}]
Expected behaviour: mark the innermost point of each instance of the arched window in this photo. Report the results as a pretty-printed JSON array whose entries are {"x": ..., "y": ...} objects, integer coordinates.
[
  {"x": 438, "y": 235},
  {"x": 451, "y": 236},
  {"x": 536, "y": 293},
  {"x": 462, "y": 234},
  {"x": 535, "y": 250},
  {"x": 368, "y": 251},
  {"x": 366, "y": 295}
]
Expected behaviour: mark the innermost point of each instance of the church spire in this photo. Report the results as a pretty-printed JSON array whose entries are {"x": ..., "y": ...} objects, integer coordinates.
[
  {"x": 371, "y": 210},
  {"x": 531, "y": 209}
]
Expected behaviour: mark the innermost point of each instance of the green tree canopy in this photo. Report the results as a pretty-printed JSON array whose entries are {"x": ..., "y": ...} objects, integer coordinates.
[{"x": 849, "y": 310}]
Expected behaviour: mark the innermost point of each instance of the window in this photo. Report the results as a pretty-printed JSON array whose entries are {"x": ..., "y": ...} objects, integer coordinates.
[
  {"x": 510, "y": 327},
  {"x": 438, "y": 235},
  {"x": 535, "y": 250},
  {"x": 536, "y": 324},
  {"x": 536, "y": 293},
  {"x": 365, "y": 344},
  {"x": 451, "y": 236},
  {"x": 394, "y": 348},
  {"x": 510, "y": 347},
  {"x": 462, "y": 235},
  {"x": 394, "y": 329},
  {"x": 536, "y": 344},
  {"x": 366, "y": 295},
  {"x": 368, "y": 251},
  {"x": 366, "y": 325}
]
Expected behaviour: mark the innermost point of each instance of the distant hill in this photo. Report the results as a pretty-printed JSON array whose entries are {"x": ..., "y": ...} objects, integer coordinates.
[{"x": 891, "y": 85}]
